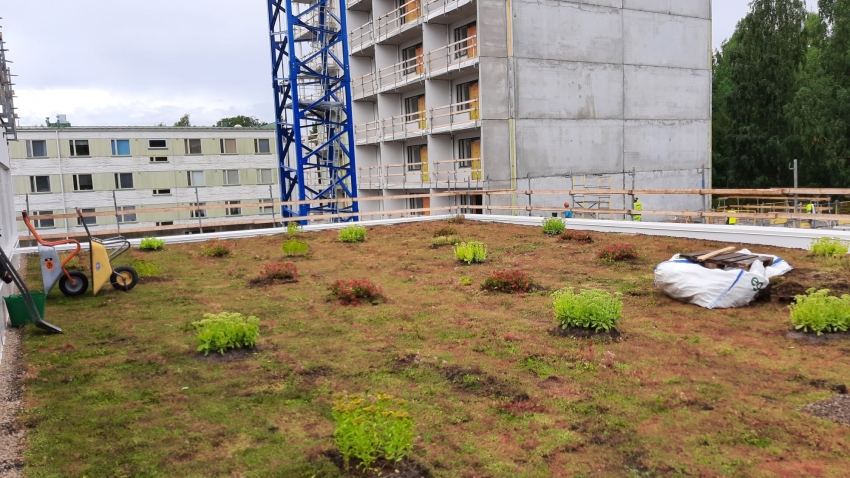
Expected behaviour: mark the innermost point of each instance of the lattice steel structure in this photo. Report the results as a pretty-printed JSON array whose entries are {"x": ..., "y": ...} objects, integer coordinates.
[
  {"x": 7, "y": 104},
  {"x": 310, "y": 75}
]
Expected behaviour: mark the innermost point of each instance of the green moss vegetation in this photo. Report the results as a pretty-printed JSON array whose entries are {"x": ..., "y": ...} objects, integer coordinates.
[{"x": 687, "y": 392}]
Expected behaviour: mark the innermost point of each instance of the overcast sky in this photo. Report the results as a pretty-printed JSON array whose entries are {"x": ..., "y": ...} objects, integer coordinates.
[{"x": 116, "y": 62}]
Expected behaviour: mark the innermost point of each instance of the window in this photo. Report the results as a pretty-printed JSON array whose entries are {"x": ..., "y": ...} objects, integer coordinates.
[
  {"x": 233, "y": 211},
  {"x": 264, "y": 176},
  {"x": 161, "y": 192},
  {"x": 196, "y": 178},
  {"x": 415, "y": 203},
  {"x": 198, "y": 212},
  {"x": 157, "y": 144},
  {"x": 463, "y": 47},
  {"x": 131, "y": 217},
  {"x": 79, "y": 147},
  {"x": 36, "y": 149},
  {"x": 462, "y": 94},
  {"x": 123, "y": 180},
  {"x": 412, "y": 65},
  {"x": 83, "y": 182},
  {"x": 120, "y": 147},
  {"x": 414, "y": 158},
  {"x": 231, "y": 177},
  {"x": 228, "y": 146},
  {"x": 159, "y": 159},
  {"x": 165, "y": 223},
  {"x": 266, "y": 209},
  {"x": 193, "y": 146},
  {"x": 89, "y": 221},
  {"x": 42, "y": 223},
  {"x": 464, "y": 151},
  {"x": 39, "y": 184},
  {"x": 412, "y": 109},
  {"x": 262, "y": 146}
]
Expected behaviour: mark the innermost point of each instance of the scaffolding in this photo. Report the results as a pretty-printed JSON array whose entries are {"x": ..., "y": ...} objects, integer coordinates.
[
  {"x": 310, "y": 76},
  {"x": 7, "y": 94},
  {"x": 595, "y": 182}
]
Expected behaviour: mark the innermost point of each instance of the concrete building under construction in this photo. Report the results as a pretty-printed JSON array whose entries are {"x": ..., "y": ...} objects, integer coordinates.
[{"x": 535, "y": 94}]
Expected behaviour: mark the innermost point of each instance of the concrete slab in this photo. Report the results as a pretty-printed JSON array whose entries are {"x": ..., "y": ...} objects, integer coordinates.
[
  {"x": 493, "y": 33},
  {"x": 569, "y": 90},
  {"x": 667, "y": 93},
  {"x": 494, "y": 88},
  {"x": 653, "y": 145},
  {"x": 547, "y": 147},
  {"x": 691, "y": 8},
  {"x": 655, "y": 39}
]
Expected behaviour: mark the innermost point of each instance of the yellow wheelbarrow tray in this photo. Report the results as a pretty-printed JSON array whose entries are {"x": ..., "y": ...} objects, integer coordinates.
[{"x": 123, "y": 277}]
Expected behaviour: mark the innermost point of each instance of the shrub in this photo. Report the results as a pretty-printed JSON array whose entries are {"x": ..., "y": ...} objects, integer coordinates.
[
  {"x": 293, "y": 228},
  {"x": 578, "y": 236},
  {"x": 819, "y": 312},
  {"x": 355, "y": 291},
  {"x": 466, "y": 281},
  {"x": 146, "y": 268},
  {"x": 828, "y": 246},
  {"x": 459, "y": 219},
  {"x": 618, "y": 252},
  {"x": 352, "y": 234},
  {"x": 277, "y": 272},
  {"x": 440, "y": 241},
  {"x": 216, "y": 248},
  {"x": 470, "y": 252},
  {"x": 445, "y": 231},
  {"x": 151, "y": 244},
  {"x": 553, "y": 226},
  {"x": 509, "y": 281},
  {"x": 371, "y": 428},
  {"x": 294, "y": 247},
  {"x": 589, "y": 309},
  {"x": 227, "y": 330}
]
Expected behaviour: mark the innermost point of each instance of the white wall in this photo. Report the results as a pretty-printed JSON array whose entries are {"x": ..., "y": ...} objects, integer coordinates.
[{"x": 8, "y": 237}]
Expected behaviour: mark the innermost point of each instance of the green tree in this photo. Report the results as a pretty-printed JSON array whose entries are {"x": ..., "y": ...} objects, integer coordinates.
[
  {"x": 244, "y": 121},
  {"x": 183, "y": 121}
]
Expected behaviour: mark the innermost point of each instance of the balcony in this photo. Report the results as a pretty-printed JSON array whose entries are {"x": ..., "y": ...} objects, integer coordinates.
[
  {"x": 401, "y": 74},
  {"x": 402, "y": 19},
  {"x": 361, "y": 5},
  {"x": 362, "y": 38},
  {"x": 450, "y": 173},
  {"x": 367, "y": 133},
  {"x": 364, "y": 87},
  {"x": 455, "y": 117},
  {"x": 457, "y": 173},
  {"x": 448, "y": 11},
  {"x": 453, "y": 58}
]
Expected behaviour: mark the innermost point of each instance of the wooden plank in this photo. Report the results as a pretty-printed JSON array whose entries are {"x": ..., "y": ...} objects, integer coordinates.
[{"x": 715, "y": 253}]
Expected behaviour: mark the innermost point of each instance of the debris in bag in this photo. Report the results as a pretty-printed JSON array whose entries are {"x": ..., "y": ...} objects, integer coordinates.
[{"x": 721, "y": 280}]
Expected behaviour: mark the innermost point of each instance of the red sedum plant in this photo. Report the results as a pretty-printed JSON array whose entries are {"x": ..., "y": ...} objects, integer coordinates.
[
  {"x": 279, "y": 272},
  {"x": 352, "y": 292},
  {"x": 618, "y": 252},
  {"x": 509, "y": 282},
  {"x": 577, "y": 236}
]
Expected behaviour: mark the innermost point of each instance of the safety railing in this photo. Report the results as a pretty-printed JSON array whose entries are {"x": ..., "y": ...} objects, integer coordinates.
[
  {"x": 442, "y": 6},
  {"x": 452, "y": 116},
  {"x": 353, "y": 3},
  {"x": 367, "y": 132},
  {"x": 453, "y": 55},
  {"x": 466, "y": 170},
  {"x": 404, "y": 174},
  {"x": 361, "y": 37},
  {"x": 366, "y": 85},
  {"x": 395, "y": 20},
  {"x": 402, "y": 72},
  {"x": 406, "y": 125},
  {"x": 450, "y": 173}
]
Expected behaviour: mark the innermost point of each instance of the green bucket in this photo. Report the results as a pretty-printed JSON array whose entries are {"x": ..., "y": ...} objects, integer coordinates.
[{"x": 18, "y": 312}]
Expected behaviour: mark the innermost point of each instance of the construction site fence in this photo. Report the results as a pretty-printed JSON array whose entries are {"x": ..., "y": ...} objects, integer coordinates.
[{"x": 487, "y": 207}]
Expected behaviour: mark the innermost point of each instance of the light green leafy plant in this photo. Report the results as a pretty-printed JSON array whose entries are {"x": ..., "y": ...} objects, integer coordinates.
[
  {"x": 293, "y": 228},
  {"x": 829, "y": 246},
  {"x": 819, "y": 312},
  {"x": 440, "y": 241},
  {"x": 227, "y": 330},
  {"x": 553, "y": 226},
  {"x": 352, "y": 234},
  {"x": 146, "y": 268},
  {"x": 466, "y": 281},
  {"x": 589, "y": 309},
  {"x": 472, "y": 251},
  {"x": 294, "y": 247},
  {"x": 371, "y": 428},
  {"x": 151, "y": 244}
]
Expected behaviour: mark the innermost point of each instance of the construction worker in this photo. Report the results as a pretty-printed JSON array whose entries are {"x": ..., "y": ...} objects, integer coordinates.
[
  {"x": 568, "y": 214},
  {"x": 637, "y": 207},
  {"x": 731, "y": 220},
  {"x": 810, "y": 208}
]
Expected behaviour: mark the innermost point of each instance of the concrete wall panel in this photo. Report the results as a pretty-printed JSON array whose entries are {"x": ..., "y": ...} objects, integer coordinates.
[
  {"x": 568, "y": 90},
  {"x": 492, "y": 33},
  {"x": 656, "y": 39},
  {"x": 691, "y": 8},
  {"x": 567, "y": 31},
  {"x": 494, "y": 88},
  {"x": 556, "y": 147},
  {"x": 495, "y": 149},
  {"x": 667, "y": 93},
  {"x": 655, "y": 145}
]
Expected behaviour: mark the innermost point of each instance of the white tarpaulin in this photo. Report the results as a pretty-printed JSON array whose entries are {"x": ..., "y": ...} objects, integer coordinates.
[{"x": 690, "y": 282}]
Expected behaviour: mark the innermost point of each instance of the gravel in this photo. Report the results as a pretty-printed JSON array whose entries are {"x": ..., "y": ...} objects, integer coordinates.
[
  {"x": 836, "y": 409},
  {"x": 11, "y": 433}
]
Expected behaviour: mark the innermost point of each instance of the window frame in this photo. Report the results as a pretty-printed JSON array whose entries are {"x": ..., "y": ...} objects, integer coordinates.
[
  {"x": 266, "y": 209},
  {"x": 408, "y": 54},
  {"x": 157, "y": 147},
  {"x": 229, "y": 211},
  {"x": 260, "y": 176},
  {"x": 75, "y": 147},
  {"x": 460, "y": 34},
  {"x": 34, "y": 184},
  {"x": 197, "y": 213},
  {"x": 158, "y": 159},
  {"x": 158, "y": 192},
  {"x": 89, "y": 221},
  {"x": 122, "y": 217},
  {"x": 416, "y": 114},
  {"x": 31, "y": 148},
  {"x": 223, "y": 142},
  {"x": 78, "y": 184},
  {"x": 257, "y": 146},
  {"x": 192, "y": 183},
  {"x": 187, "y": 145},
  {"x": 225, "y": 179},
  {"x": 115, "y": 147},
  {"x": 42, "y": 223},
  {"x": 464, "y": 145},
  {"x": 408, "y": 156},
  {"x": 119, "y": 181}
]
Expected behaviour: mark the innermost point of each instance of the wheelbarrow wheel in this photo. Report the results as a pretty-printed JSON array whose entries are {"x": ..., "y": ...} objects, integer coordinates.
[
  {"x": 79, "y": 287},
  {"x": 124, "y": 278}
]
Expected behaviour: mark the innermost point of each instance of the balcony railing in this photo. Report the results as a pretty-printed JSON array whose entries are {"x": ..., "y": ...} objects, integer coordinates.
[
  {"x": 442, "y": 6},
  {"x": 361, "y": 37},
  {"x": 403, "y": 126},
  {"x": 393, "y": 21},
  {"x": 455, "y": 114},
  {"x": 367, "y": 132},
  {"x": 457, "y": 170},
  {"x": 402, "y": 72},
  {"x": 453, "y": 54},
  {"x": 445, "y": 173},
  {"x": 365, "y": 85}
]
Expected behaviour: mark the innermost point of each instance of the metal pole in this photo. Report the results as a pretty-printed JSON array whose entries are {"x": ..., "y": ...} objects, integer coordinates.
[
  {"x": 117, "y": 218},
  {"x": 528, "y": 177},
  {"x": 489, "y": 199},
  {"x": 796, "y": 201},
  {"x": 271, "y": 195},
  {"x": 198, "y": 211}
]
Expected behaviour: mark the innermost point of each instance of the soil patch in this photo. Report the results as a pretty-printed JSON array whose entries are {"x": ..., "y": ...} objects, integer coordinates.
[
  {"x": 406, "y": 468},
  {"x": 151, "y": 280},
  {"x": 798, "y": 281},
  {"x": 813, "y": 338},
  {"x": 473, "y": 380},
  {"x": 264, "y": 281},
  {"x": 581, "y": 333},
  {"x": 836, "y": 409},
  {"x": 316, "y": 372},
  {"x": 232, "y": 355}
]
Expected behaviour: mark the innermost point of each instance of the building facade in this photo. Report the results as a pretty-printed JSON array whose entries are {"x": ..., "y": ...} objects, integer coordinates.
[
  {"x": 134, "y": 169},
  {"x": 535, "y": 94}
]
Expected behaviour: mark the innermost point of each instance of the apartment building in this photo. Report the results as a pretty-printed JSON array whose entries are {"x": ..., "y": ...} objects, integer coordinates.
[
  {"x": 134, "y": 169},
  {"x": 534, "y": 94}
]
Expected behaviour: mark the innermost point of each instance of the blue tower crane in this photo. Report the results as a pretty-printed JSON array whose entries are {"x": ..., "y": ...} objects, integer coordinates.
[{"x": 312, "y": 84}]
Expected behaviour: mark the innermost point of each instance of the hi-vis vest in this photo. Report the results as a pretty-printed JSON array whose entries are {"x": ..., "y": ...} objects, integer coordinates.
[
  {"x": 732, "y": 220},
  {"x": 638, "y": 207},
  {"x": 810, "y": 208}
]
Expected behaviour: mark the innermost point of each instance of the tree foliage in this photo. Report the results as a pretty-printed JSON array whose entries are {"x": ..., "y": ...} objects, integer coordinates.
[
  {"x": 782, "y": 92},
  {"x": 244, "y": 121},
  {"x": 183, "y": 121}
]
